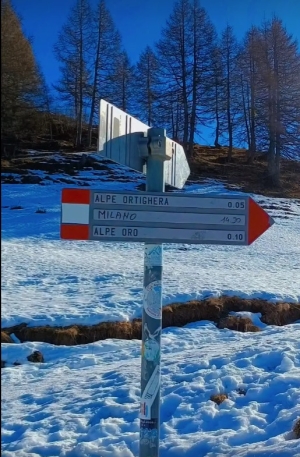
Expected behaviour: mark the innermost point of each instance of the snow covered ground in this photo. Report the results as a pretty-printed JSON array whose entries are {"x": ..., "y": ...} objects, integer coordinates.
[{"x": 84, "y": 400}]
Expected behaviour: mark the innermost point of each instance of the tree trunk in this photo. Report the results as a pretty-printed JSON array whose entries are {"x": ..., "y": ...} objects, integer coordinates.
[
  {"x": 272, "y": 166},
  {"x": 194, "y": 93},
  {"x": 185, "y": 116},
  {"x": 93, "y": 100},
  {"x": 277, "y": 158},
  {"x": 81, "y": 65},
  {"x": 124, "y": 90},
  {"x": 246, "y": 120},
  {"x": 230, "y": 148},
  {"x": 149, "y": 101},
  {"x": 184, "y": 89},
  {"x": 95, "y": 78},
  {"x": 252, "y": 114},
  {"x": 217, "y": 130},
  {"x": 229, "y": 123}
]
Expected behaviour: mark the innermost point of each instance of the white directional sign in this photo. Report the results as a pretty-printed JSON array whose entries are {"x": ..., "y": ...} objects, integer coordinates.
[
  {"x": 168, "y": 235},
  {"x": 161, "y": 217},
  {"x": 167, "y": 200},
  {"x": 119, "y": 135}
]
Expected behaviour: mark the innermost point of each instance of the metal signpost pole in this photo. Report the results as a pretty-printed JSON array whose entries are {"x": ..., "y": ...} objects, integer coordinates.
[{"x": 151, "y": 326}]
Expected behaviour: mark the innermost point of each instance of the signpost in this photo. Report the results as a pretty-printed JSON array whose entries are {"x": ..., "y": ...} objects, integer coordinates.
[
  {"x": 124, "y": 139},
  {"x": 161, "y": 217},
  {"x": 154, "y": 217}
]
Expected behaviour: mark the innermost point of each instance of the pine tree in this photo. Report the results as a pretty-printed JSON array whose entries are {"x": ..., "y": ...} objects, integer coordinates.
[
  {"x": 146, "y": 86},
  {"x": 203, "y": 46},
  {"x": 72, "y": 51},
  {"x": 106, "y": 51},
  {"x": 230, "y": 53},
  {"x": 169, "y": 112},
  {"x": 122, "y": 83},
  {"x": 174, "y": 50},
  {"x": 21, "y": 80},
  {"x": 249, "y": 83},
  {"x": 217, "y": 93},
  {"x": 278, "y": 70},
  {"x": 184, "y": 53}
]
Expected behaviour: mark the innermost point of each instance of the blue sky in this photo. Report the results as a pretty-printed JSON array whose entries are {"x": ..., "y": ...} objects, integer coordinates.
[{"x": 140, "y": 21}]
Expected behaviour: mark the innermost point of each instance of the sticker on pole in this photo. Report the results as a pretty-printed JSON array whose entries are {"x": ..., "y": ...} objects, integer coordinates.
[
  {"x": 149, "y": 394},
  {"x": 145, "y": 409},
  {"x": 153, "y": 255},
  {"x": 152, "y": 299},
  {"x": 151, "y": 348}
]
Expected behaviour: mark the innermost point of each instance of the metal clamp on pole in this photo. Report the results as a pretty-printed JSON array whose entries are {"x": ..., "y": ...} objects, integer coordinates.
[
  {"x": 160, "y": 146},
  {"x": 156, "y": 151},
  {"x": 155, "y": 143}
]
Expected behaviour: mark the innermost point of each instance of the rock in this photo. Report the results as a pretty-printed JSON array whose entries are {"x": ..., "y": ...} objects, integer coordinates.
[
  {"x": 296, "y": 429},
  {"x": 219, "y": 398},
  {"x": 241, "y": 391},
  {"x": 82, "y": 161},
  {"x": 36, "y": 357},
  {"x": 66, "y": 180},
  {"x": 9, "y": 180},
  {"x": 31, "y": 179},
  {"x": 3, "y": 363}
]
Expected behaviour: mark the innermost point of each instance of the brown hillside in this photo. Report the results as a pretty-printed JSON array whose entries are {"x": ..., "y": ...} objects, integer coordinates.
[
  {"x": 210, "y": 162},
  {"x": 206, "y": 162}
]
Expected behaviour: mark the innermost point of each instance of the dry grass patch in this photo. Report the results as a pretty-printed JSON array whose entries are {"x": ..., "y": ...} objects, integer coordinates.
[
  {"x": 240, "y": 324},
  {"x": 216, "y": 310},
  {"x": 59, "y": 336},
  {"x": 81, "y": 334},
  {"x": 180, "y": 314},
  {"x": 272, "y": 313},
  {"x": 282, "y": 314},
  {"x": 4, "y": 163},
  {"x": 5, "y": 338}
]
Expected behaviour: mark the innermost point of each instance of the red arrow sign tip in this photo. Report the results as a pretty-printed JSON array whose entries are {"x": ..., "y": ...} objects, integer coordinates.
[{"x": 259, "y": 221}]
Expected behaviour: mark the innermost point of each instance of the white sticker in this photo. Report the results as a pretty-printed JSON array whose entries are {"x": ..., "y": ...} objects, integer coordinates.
[
  {"x": 152, "y": 299},
  {"x": 151, "y": 348},
  {"x": 153, "y": 255},
  {"x": 151, "y": 351},
  {"x": 149, "y": 394}
]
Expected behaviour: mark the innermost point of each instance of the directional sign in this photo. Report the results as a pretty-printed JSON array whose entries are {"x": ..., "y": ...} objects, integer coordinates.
[
  {"x": 119, "y": 135},
  {"x": 161, "y": 217}
]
